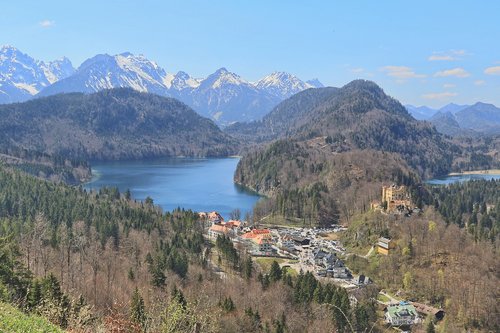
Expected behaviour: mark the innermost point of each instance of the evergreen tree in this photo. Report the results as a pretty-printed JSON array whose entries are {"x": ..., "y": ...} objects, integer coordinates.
[
  {"x": 275, "y": 272},
  {"x": 248, "y": 268},
  {"x": 137, "y": 309}
]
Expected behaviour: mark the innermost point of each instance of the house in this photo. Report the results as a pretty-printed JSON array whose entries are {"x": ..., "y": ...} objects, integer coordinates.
[
  {"x": 384, "y": 245},
  {"x": 437, "y": 314},
  {"x": 401, "y": 314},
  {"x": 338, "y": 270},
  {"x": 220, "y": 230},
  {"x": 234, "y": 224},
  {"x": 286, "y": 241},
  {"x": 329, "y": 259},
  {"x": 362, "y": 280},
  {"x": 261, "y": 239},
  {"x": 215, "y": 217},
  {"x": 301, "y": 241},
  {"x": 319, "y": 255}
]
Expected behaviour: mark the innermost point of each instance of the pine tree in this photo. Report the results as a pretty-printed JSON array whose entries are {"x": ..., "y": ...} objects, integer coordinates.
[
  {"x": 275, "y": 272},
  {"x": 248, "y": 268},
  {"x": 137, "y": 309}
]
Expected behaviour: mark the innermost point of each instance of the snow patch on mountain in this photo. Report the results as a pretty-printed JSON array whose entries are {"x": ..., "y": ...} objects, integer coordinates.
[
  {"x": 282, "y": 84},
  {"x": 24, "y": 76}
]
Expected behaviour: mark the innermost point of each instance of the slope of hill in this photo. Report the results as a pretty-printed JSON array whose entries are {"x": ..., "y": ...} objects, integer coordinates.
[
  {"x": 357, "y": 116},
  {"x": 111, "y": 124},
  {"x": 289, "y": 114}
]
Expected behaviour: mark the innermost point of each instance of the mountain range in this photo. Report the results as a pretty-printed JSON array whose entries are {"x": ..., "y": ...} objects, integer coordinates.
[
  {"x": 461, "y": 120},
  {"x": 222, "y": 96}
]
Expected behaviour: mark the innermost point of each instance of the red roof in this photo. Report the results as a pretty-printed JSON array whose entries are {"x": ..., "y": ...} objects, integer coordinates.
[{"x": 256, "y": 232}]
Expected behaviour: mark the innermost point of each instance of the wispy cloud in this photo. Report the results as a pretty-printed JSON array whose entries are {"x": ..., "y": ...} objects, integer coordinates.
[
  {"x": 450, "y": 55},
  {"x": 479, "y": 82},
  {"x": 439, "y": 96},
  {"x": 495, "y": 70},
  {"x": 357, "y": 70},
  {"x": 402, "y": 72},
  {"x": 457, "y": 72},
  {"x": 449, "y": 85},
  {"x": 46, "y": 23},
  {"x": 441, "y": 57}
]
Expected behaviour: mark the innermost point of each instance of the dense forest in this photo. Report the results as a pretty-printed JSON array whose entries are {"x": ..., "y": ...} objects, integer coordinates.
[
  {"x": 111, "y": 124},
  {"x": 474, "y": 205},
  {"x": 100, "y": 260},
  {"x": 56, "y": 168}
]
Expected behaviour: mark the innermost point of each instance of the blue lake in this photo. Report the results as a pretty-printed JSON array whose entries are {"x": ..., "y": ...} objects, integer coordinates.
[
  {"x": 461, "y": 178},
  {"x": 197, "y": 184}
]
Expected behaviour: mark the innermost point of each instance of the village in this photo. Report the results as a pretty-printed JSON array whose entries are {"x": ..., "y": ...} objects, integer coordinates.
[{"x": 314, "y": 250}]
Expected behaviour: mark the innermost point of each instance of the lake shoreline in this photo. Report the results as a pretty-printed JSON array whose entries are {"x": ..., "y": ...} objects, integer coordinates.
[{"x": 476, "y": 172}]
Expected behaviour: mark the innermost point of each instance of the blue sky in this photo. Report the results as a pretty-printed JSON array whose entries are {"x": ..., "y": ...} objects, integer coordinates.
[{"x": 421, "y": 52}]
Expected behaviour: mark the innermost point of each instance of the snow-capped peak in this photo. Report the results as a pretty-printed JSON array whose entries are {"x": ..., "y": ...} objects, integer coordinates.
[
  {"x": 223, "y": 77},
  {"x": 182, "y": 80},
  {"x": 282, "y": 84},
  {"x": 28, "y": 75}
]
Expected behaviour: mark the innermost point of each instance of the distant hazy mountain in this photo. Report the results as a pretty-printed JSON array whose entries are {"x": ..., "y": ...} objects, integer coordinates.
[
  {"x": 111, "y": 124},
  {"x": 22, "y": 77},
  {"x": 420, "y": 112},
  {"x": 223, "y": 96},
  {"x": 446, "y": 123},
  {"x": 453, "y": 108},
  {"x": 480, "y": 118},
  {"x": 426, "y": 113},
  {"x": 315, "y": 83}
]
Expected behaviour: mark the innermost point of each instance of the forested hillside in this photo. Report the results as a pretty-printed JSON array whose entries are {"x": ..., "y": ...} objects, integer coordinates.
[
  {"x": 433, "y": 262},
  {"x": 306, "y": 181},
  {"x": 111, "y": 124},
  {"x": 358, "y": 116},
  {"x": 52, "y": 167}
]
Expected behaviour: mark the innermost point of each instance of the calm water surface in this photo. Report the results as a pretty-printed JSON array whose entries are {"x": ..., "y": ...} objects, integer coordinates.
[
  {"x": 461, "y": 178},
  {"x": 197, "y": 184}
]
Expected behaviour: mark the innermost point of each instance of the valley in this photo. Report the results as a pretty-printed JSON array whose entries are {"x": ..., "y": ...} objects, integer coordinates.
[{"x": 249, "y": 167}]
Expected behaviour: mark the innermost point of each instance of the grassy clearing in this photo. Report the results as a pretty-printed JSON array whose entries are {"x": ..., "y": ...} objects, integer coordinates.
[
  {"x": 331, "y": 235},
  {"x": 290, "y": 271},
  {"x": 383, "y": 298},
  {"x": 15, "y": 321},
  {"x": 278, "y": 220},
  {"x": 265, "y": 263}
]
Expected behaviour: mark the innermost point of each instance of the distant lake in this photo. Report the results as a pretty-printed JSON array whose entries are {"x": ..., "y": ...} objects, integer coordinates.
[
  {"x": 461, "y": 178},
  {"x": 190, "y": 183}
]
